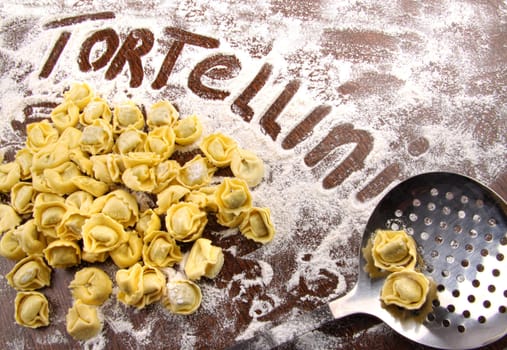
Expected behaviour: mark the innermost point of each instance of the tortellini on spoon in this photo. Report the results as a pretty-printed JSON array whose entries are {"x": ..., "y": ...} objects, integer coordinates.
[{"x": 407, "y": 289}]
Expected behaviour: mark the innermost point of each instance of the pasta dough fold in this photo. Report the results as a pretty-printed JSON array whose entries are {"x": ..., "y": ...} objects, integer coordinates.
[{"x": 31, "y": 309}]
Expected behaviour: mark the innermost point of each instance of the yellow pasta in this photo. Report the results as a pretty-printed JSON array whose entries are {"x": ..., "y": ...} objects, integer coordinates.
[
  {"x": 60, "y": 179},
  {"x": 94, "y": 187},
  {"x": 219, "y": 149},
  {"x": 393, "y": 250},
  {"x": 71, "y": 137},
  {"x": 165, "y": 172},
  {"x": 233, "y": 199},
  {"x": 140, "y": 285},
  {"x": 130, "y": 139},
  {"x": 127, "y": 114},
  {"x": 9, "y": 219},
  {"x": 148, "y": 222},
  {"x": 248, "y": 166},
  {"x": 129, "y": 252},
  {"x": 102, "y": 233},
  {"x": 10, "y": 247},
  {"x": 406, "y": 288},
  {"x": 22, "y": 199},
  {"x": 183, "y": 296},
  {"x": 65, "y": 115},
  {"x": 71, "y": 224},
  {"x": 119, "y": 205},
  {"x": 91, "y": 285},
  {"x": 160, "y": 250},
  {"x": 97, "y": 138},
  {"x": 48, "y": 212},
  {"x": 107, "y": 168},
  {"x": 257, "y": 225},
  {"x": 187, "y": 130},
  {"x": 29, "y": 273},
  {"x": 80, "y": 94},
  {"x": 40, "y": 134},
  {"x": 171, "y": 195},
  {"x": 140, "y": 178},
  {"x": 185, "y": 222},
  {"x": 62, "y": 253},
  {"x": 161, "y": 113},
  {"x": 196, "y": 173},
  {"x": 161, "y": 141},
  {"x": 10, "y": 174},
  {"x": 30, "y": 240},
  {"x": 204, "y": 259},
  {"x": 82, "y": 321},
  {"x": 24, "y": 158},
  {"x": 80, "y": 200},
  {"x": 31, "y": 309},
  {"x": 97, "y": 108}
]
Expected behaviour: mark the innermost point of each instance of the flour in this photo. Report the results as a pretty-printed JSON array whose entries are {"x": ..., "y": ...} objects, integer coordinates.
[{"x": 398, "y": 70}]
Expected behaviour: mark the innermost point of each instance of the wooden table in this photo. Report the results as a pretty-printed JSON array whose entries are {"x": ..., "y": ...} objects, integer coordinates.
[{"x": 392, "y": 82}]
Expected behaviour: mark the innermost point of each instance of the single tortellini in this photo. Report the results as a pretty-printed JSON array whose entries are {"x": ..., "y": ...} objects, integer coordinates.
[
  {"x": 130, "y": 140},
  {"x": 31, "y": 240},
  {"x": 24, "y": 158},
  {"x": 94, "y": 187},
  {"x": 257, "y": 225},
  {"x": 10, "y": 247},
  {"x": 82, "y": 160},
  {"x": 65, "y": 115},
  {"x": 165, "y": 172},
  {"x": 10, "y": 174},
  {"x": 30, "y": 273},
  {"x": 71, "y": 137},
  {"x": 79, "y": 200},
  {"x": 94, "y": 257},
  {"x": 161, "y": 140},
  {"x": 204, "y": 197},
  {"x": 160, "y": 250},
  {"x": 40, "y": 134},
  {"x": 134, "y": 159},
  {"x": 62, "y": 253},
  {"x": 185, "y": 221},
  {"x": 127, "y": 114},
  {"x": 119, "y": 205},
  {"x": 61, "y": 178},
  {"x": 22, "y": 198},
  {"x": 128, "y": 253},
  {"x": 187, "y": 130},
  {"x": 219, "y": 149},
  {"x": 101, "y": 233},
  {"x": 393, "y": 250},
  {"x": 82, "y": 321},
  {"x": 183, "y": 296},
  {"x": 196, "y": 173},
  {"x": 107, "y": 167},
  {"x": 248, "y": 166},
  {"x": 406, "y": 288},
  {"x": 80, "y": 94},
  {"x": 233, "y": 199},
  {"x": 140, "y": 286},
  {"x": 48, "y": 212},
  {"x": 71, "y": 225},
  {"x": 148, "y": 222},
  {"x": 31, "y": 309},
  {"x": 171, "y": 195},
  {"x": 161, "y": 113},
  {"x": 91, "y": 285},
  {"x": 9, "y": 219},
  {"x": 140, "y": 178},
  {"x": 97, "y": 108},
  {"x": 97, "y": 138},
  {"x": 204, "y": 259},
  {"x": 50, "y": 157}
]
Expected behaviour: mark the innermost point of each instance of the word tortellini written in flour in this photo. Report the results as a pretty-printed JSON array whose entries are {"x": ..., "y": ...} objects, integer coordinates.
[{"x": 95, "y": 182}]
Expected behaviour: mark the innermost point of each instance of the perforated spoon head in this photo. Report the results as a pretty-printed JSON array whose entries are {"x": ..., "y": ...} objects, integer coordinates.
[{"x": 460, "y": 227}]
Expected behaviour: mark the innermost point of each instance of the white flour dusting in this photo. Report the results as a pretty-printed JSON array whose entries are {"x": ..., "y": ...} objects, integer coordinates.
[{"x": 399, "y": 70}]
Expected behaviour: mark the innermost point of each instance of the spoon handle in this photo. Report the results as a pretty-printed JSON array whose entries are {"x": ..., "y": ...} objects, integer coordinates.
[{"x": 287, "y": 331}]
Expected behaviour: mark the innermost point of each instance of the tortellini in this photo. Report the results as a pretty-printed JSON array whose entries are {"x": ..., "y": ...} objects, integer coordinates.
[
  {"x": 204, "y": 259},
  {"x": 185, "y": 221},
  {"x": 82, "y": 321},
  {"x": 9, "y": 219},
  {"x": 30, "y": 273},
  {"x": 248, "y": 166},
  {"x": 95, "y": 183},
  {"x": 31, "y": 309},
  {"x": 394, "y": 250},
  {"x": 101, "y": 234},
  {"x": 91, "y": 285},
  {"x": 407, "y": 289},
  {"x": 257, "y": 225},
  {"x": 183, "y": 296},
  {"x": 219, "y": 149},
  {"x": 140, "y": 285},
  {"x": 62, "y": 253}
]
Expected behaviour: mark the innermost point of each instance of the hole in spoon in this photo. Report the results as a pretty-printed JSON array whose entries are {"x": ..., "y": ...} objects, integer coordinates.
[{"x": 461, "y": 328}]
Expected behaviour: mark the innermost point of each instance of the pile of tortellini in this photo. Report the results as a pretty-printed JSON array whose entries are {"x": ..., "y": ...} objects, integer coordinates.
[
  {"x": 74, "y": 194},
  {"x": 394, "y": 254}
]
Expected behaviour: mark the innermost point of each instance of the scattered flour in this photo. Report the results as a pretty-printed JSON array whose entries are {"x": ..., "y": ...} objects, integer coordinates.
[{"x": 421, "y": 70}]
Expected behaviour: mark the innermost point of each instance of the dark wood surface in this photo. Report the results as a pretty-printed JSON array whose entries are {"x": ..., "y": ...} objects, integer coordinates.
[{"x": 213, "y": 330}]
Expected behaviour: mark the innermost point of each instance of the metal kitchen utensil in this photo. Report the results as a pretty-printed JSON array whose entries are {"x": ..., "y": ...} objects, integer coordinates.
[{"x": 460, "y": 227}]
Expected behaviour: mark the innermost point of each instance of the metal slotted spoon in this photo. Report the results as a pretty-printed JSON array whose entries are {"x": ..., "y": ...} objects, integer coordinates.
[{"x": 460, "y": 227}]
